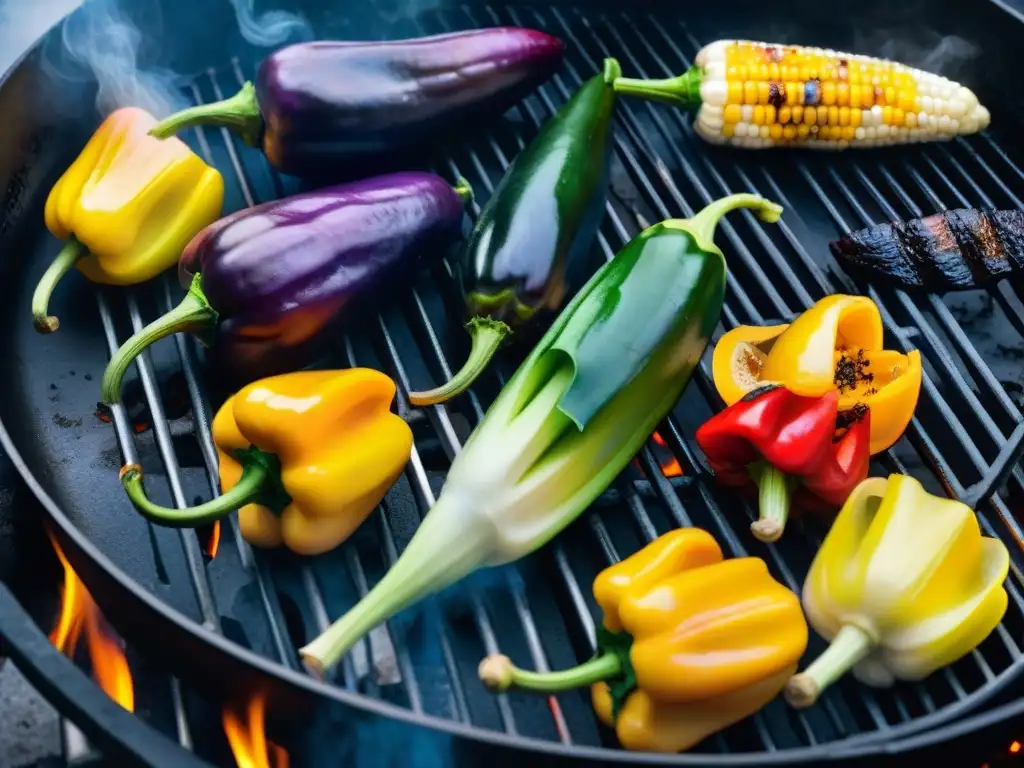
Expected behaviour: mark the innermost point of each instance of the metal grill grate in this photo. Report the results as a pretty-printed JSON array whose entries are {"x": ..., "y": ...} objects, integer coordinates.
[{"x": 968, "y": 431}]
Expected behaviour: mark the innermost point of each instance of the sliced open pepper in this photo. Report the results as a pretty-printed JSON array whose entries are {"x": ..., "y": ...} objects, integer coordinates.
[
  {"x": 690, "y": 644},
  {"x": 836, "y": 344},
  {"x": 903, "y": 585},
  {"x": 779, "y": 442},
  {"x": 304, "y": 457},
  {"x": 127, "y": 207}
]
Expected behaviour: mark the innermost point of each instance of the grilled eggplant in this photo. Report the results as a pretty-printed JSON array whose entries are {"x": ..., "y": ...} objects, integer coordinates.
[{"x": 951, "y": 251}]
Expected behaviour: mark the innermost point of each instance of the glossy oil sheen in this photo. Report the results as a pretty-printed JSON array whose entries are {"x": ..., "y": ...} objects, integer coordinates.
[
  {"x": 278, "y": 273},
  {"x": 326, "y": 103},
  {"x": 533, "y": 237}
]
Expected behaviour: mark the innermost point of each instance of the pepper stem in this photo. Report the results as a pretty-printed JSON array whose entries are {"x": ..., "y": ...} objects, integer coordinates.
[
  {"x": 850, "y": 645},
  {"x": 773, "y": 498},
  {"x": 250, "y": 486},
  {"x": 69, "y": 255},
  {"x": 463, "y": 189},
  {"x": 486, "y": 335},
  {"x": 240, "y": 113},
  {"x": 680, "y": 91},
  {"x": 702, "y": 224},
  {"x": 192, "y": 314},
  {"x": 498, "y": 673}
]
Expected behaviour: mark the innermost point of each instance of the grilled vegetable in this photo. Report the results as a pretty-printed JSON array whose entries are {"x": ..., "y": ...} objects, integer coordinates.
[
  {"x": 127, "y": 207},
  {"x": 325, "y": 106},
  {"x": 758, "y": 95},
  {"x": 950, "y": 251},
  {"x": 270, "y": 278},
  {"x": 904, "y": 584},
  {"x": 304, "y": 457},
  {"x": 778, "y": 442},
  {"x": 577, "y": 410},
  {"x": 836, "y": 344},
  {"x": 529, "y": 247},
  {"x": 689, "y": 644}
]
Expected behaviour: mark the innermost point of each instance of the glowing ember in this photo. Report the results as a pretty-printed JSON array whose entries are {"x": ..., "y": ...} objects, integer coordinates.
[
  {"x": 1015, "y": 747},
  {"x": 248, "y": 737},
  {"x": 213, "y": 543},
  {"x": 670, "y": 466},
  {"x": 79, "y": 613}
]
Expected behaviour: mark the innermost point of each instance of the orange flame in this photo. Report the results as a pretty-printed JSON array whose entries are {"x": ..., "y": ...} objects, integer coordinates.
[
  {"x": 213, "y": 543},
  {"x": 79, "y": 613},
  {"x": 670, "y": 466},
  {"x": 248, "y": 738},
  {"x": 1015, "y": 747}
]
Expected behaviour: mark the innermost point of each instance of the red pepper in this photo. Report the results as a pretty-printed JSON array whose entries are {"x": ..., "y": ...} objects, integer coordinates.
[{"x": 778, "y": 442}]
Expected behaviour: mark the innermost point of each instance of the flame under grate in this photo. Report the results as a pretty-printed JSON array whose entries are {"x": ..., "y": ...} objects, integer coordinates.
[{"x": 968, "y": 431}]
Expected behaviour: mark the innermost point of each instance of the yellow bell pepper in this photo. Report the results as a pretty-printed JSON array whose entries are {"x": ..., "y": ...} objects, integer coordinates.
[
  {"x": 893, "y": 611},
  {"x": 836, "y": 344},
  {"x": 127, "y": 206},
  {"x": 304, "y": 457},
  {"x": 689, "y": 645}
]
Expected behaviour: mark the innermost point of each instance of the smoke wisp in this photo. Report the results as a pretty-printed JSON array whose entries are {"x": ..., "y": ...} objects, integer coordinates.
[{"x": 270, "y": 28}]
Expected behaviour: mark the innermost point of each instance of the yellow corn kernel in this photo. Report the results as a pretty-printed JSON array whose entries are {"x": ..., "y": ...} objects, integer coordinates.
[
  {"x": 737, "y": 73},
  {"x": 822, "y": 115},
  {"x": 728, "y": 130},
  {"x": 849, "y": 132},
  {"x": 833, "y": 115},
  {"x": 763, "y": 91},
  {"x": 810, "y": 116},
  {"x": 750, "y": 92},
  {"x": 802, "y": 131},
  {"x": 797, "y": 115},
  {"x": 898, "y": 116},
  {"x": 801, "y": 93},
  {"x": 758, "y": 118},
  {"x": 828, "y": 93},
  {"x": 853, "y": 75},
  {"x": 732, "y": 113},
  {"x": 907, "y": 101},
  {"x": 842, "y": 94},
  {"x": 735, "y": 92},
  {"x": 855, "y": 117},
  {"x": 804, "y": 73},
  {"x": 867, "y": 95},
  {"x": 769, "y": 115},
  {"x": 791, "y": 89},
  {"x": 890, "y": 95},
  {"x": 775, "y": 131},
  {"x": 773, "y": 71},
  {"x": 823, "y": 132},
  {"x": 789, "y": 132},
  {"x": 844, "y": 115},
  {"x": 784, "y": 115},
  {"x": 854, "y": 97},
  {"x": 910, "y": 120},
  {"x": 887, "y": 115}
]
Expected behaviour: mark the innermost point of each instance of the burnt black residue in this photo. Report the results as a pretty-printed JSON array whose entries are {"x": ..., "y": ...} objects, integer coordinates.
[
  {"x": 66, "y": 423},
  {"x": 852, "y": 370},
  {"x": 846, "y": 419}
]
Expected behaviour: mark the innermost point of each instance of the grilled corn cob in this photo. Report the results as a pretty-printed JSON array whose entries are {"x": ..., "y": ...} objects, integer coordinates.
[{"x": 759, "y": 95}]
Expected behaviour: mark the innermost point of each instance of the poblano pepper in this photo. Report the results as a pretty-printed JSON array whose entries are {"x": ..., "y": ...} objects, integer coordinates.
[
  {"x": 528, "y": 251},
  {"x": 690, "y": 644},
  {"x": 577, "y": 410}
]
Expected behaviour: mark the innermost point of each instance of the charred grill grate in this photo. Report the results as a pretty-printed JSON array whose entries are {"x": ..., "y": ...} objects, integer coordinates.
[{"x": 968, "y": 431}]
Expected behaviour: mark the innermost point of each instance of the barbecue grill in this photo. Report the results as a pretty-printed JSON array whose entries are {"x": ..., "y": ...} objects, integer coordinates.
[{"x": 230, "y": 624}]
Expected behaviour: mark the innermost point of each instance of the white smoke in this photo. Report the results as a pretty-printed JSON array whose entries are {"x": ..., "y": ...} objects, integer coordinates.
[
  {"x": 270, "y": 28},
  {"x": 22, "y": 22}
]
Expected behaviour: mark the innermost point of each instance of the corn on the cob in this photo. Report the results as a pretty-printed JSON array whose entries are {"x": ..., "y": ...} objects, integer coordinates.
[{"x": 759, "y": 95}]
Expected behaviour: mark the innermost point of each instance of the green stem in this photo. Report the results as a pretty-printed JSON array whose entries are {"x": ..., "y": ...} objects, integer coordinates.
[
  {"x": 851, "y": 645},
  {"x": 464, "y": 190},
  {"x": 611, "y": 70},
  {"x": 487, "y": 336},
  {"x": 702, "y": 224},
  {"x": 773, "y": 496},
  {"x": 680, "y": 91},
  {"x": 69, "y": 255},
  {"x": 192, "y": 314},
  {"x": 499, "y": 674},
  {"x": 240, "y": 113},
  {"x": 250, "y": 486}
]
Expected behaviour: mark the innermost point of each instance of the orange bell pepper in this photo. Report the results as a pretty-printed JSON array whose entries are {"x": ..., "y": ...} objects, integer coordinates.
[{"x": 837, "y": 344}]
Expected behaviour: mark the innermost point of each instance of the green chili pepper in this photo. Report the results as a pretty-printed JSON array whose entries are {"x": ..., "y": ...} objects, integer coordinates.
[
  {"x": 609, "y": 369},
  {"x": 529, "y": 250}
]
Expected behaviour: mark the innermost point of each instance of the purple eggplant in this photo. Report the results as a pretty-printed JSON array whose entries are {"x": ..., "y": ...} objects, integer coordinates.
[
  {"x": 265, "y": 281},
  {"x": 323, "y": 106}
]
